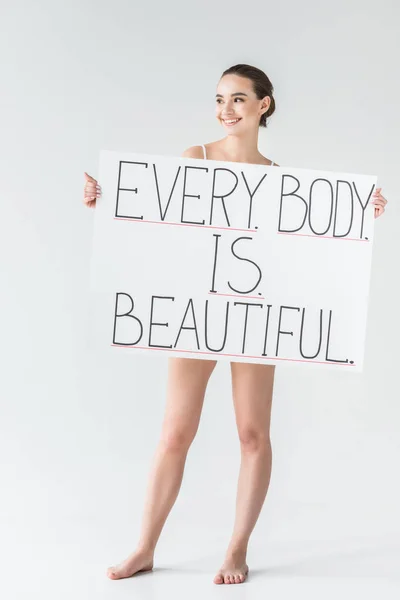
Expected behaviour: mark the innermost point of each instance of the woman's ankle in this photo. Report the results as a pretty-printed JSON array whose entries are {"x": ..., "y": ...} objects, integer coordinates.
[
  {"x": 145, "y": 548},
  {"x": 237, "y": 547}
]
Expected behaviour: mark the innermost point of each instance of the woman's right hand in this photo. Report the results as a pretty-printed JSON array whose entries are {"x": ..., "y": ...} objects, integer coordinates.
[{"x": 91, "y": 192}]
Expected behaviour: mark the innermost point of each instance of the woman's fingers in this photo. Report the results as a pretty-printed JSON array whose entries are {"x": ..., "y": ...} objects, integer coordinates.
[
  {"x": 379, "y": 207},
  {"x": 90, "y": 178},
  {"x": 379, "y": 202},
  {"x": 92, "y": 191},
  {"x": 378, "y": 196}
]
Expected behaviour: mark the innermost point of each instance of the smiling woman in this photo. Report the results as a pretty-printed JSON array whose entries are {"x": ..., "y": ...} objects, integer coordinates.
[
  {"x": 229, "y": 109},
  {"x": 244, "y": 102}
]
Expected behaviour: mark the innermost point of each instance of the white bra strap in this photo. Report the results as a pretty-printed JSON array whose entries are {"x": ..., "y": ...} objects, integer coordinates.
[{"x": 272, "y": 164}]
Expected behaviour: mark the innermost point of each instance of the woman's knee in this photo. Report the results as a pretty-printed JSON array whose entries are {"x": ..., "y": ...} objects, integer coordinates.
[
  {"x": 176, "y": 439},
  {"x": 253, "y": 438}
]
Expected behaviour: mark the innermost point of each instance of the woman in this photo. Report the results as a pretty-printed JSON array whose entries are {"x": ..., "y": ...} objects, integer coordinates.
[{"x": 244, "y": 100}]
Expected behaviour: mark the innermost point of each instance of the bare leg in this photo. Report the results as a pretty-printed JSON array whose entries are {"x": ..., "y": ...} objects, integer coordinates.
[
  {"x": 252, "y": 395},
  {"x": 187, "y": 382}
]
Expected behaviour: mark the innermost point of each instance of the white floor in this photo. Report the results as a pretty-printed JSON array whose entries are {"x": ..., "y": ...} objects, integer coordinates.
[{"x": 61, "y": 559}]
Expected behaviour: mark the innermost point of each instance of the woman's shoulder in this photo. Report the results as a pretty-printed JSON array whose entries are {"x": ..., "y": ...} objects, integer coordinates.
[
  {"x": 197, "y": 152},
  {"x": 193, "y": 152},
  {"x": 269, "y": 163}
]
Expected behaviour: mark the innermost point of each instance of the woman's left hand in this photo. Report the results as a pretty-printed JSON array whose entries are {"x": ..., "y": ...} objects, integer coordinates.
[{"x": 380, "y": 202}]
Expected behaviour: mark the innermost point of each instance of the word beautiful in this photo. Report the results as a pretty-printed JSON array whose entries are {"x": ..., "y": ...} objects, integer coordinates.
[
  {"x": 196, "y": 331},
  {"x": 342, "y": 200}
]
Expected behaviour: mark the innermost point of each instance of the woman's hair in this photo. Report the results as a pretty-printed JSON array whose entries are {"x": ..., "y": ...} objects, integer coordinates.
[{"x": 261, "y": 85}]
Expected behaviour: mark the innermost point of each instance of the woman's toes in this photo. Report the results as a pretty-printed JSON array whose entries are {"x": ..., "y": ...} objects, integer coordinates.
[
  {"x": 111, "y": 573},
  {"x": 231, "y": 577}
]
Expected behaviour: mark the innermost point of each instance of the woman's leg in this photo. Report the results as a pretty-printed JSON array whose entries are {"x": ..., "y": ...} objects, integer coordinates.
[
  {"x": 187, "y": 382},
  {"x": 252, "y": 386}
]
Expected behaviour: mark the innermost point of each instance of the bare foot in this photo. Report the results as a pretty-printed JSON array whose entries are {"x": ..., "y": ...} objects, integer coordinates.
[
  {"x": 234, "y": 569},
  {"x": 136, "y": 562}
]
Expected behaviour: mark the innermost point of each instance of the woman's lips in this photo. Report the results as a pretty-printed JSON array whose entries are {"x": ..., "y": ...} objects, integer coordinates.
[{"x": 230, "y": 122}]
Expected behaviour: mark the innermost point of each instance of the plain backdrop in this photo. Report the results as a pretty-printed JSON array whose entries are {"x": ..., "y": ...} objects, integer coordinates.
[{"x": 78, "y": 430}]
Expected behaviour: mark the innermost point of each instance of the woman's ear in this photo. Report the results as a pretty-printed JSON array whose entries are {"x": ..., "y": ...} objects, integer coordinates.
[{"x": 265, "y": 103}]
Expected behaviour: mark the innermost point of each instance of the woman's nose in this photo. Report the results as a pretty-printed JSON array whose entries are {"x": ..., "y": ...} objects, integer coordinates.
[{"x": 228, "y": 109}]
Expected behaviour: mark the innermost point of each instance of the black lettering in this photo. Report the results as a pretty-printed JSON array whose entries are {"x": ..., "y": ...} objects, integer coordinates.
[
  {"x": 119, "y": 189},
  {"x": 246, "y": 304},
  {"x": 222, "y": 197},
  {"x": 125, "y": 314},
  {"x": 301, "y": 335},
  {"x": 336, "y": 209},
  {"x": 319, "y": 200},
  {"x": 152, "y": 323},
  {"x": 293, "y": 193},
  {"x": 247, "y": 260},
  {"x": 327, "y": 344},
  {"x": 363, "y": 207},
  {"x": 252, "y": 195},
  {"x": 163, "y": 214},
  {"x": 216, "y": 235},
  {"x": 185, "y": 195},
  {"x": 194, "y": 328},
  {"x": 279, "y": 326},
  {"x": 264, "y": 353},
  {"x": 225, "y": 331}
]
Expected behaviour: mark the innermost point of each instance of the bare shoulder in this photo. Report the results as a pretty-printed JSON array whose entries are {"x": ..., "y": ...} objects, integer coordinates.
[
  {"x": 268, "y": 162},
  {"x": 193, "y": 152}
]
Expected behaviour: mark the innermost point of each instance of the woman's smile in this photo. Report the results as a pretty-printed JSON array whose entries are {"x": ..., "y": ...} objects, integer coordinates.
[{"x": 230, "y": 122}]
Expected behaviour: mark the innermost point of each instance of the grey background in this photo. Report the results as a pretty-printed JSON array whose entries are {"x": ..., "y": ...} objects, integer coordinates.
[{"x": 77, "y": 431}]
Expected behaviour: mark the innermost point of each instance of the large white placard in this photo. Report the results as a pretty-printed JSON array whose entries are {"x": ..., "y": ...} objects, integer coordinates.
[{"x": 223, "y": 260}]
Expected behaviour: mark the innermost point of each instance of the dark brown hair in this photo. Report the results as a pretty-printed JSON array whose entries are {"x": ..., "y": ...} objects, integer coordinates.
[{"x": 261, "y": 85}]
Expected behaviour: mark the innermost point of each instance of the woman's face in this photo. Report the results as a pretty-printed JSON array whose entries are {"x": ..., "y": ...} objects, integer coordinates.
[{"x": 237, "y": 106}]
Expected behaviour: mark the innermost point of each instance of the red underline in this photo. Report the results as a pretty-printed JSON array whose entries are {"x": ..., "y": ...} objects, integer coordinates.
[
  {"x": 237, "y": 296},
  {"x": 328, "y": 237},
  {"x": 183, "y": 224},
  {"x": 319, "y": 362}
]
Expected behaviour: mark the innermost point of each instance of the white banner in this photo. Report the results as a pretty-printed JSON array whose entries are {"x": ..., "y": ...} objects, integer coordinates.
[{"x": 223, "y": 260}]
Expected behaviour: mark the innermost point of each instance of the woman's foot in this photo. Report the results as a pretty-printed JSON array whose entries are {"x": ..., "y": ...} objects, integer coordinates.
[
  {"x": 234, "y": 569},
  {"x": 136, "y": 562}
]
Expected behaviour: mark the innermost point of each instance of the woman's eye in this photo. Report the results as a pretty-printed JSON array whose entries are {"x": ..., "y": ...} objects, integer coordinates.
[{"x": 219, "y": 100}]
